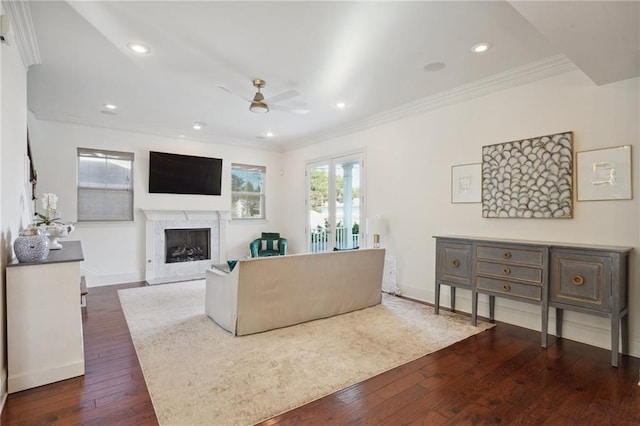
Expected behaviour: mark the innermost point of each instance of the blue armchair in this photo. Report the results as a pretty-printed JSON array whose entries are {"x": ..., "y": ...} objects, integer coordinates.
[{"x": 270, "y": 244}]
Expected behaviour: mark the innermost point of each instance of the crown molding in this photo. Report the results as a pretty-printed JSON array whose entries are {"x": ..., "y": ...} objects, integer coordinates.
[
  {"x": 529, "y": 73},
  {"x": 167, "y": 134},
  {"x": 25, "y": 37}
]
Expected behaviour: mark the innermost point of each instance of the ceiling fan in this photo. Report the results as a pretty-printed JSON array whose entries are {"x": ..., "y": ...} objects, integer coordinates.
[
  {"x": 258, "y": 104},
  {"x": 261, "y": 105}
]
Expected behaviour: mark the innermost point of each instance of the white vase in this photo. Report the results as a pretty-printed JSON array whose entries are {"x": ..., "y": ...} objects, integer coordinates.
[
  {"x": 31, "y": 245},
  {"x": 55, "y": 231}
]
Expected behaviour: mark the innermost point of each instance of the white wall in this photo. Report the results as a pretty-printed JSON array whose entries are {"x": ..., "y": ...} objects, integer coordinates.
[
  {"x": 114, "y": 252},
  {"x": 15, "y": 199},
  {"x": 408, "y": 179}
]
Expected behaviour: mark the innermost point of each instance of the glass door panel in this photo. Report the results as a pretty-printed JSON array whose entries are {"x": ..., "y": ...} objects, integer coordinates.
[
  {"x": 334, "y": 203},
  {"x": 347, "y": 202},
  {"x": 319, "y": 223}
]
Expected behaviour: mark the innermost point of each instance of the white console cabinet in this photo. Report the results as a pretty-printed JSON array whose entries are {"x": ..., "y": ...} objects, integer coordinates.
[{"x": 44, "y": 319}]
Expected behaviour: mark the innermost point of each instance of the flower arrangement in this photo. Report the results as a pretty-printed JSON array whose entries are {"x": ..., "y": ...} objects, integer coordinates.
[{"x": 49, "y": 202}]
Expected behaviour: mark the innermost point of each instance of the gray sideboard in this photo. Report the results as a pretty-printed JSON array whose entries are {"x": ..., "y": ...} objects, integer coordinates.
[{"x": 582, "y": 278}]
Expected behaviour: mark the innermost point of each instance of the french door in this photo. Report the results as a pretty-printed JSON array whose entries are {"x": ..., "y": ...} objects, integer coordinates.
[{"x": 335, "y": 203}]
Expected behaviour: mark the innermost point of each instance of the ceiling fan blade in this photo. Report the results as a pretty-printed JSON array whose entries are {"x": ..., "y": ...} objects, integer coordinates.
[
  {"x": 283, "y": 96},
  {"x": 300, "y": 111},
  {"x": 232, "y": 93},
  {"x": 221, "y": 87}
]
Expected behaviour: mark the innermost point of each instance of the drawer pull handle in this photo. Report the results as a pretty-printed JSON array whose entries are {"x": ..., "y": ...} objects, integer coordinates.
[
  {"x": 507, "y": 255},
  {"x": 455, "y": 263},
  {"x": 506, "y": 287},
  {"x": 577, "y": 280},
  {"x": 506, "y": 271}
]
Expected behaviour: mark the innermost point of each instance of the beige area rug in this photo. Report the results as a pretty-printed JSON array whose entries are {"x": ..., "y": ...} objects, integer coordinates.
[{"x": 198, "y": 374}]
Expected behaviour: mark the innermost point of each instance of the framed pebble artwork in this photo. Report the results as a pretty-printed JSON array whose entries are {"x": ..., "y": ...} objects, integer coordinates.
[{"x": 529, "y": 178}]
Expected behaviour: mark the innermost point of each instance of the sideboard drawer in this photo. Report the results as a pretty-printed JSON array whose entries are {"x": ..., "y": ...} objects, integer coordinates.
[
  {"x": 509, "y": 272},
  {"x": 523, "y": 256},
  {"x": 510, "y": 288},
  {"x": 581, "y": 280}
]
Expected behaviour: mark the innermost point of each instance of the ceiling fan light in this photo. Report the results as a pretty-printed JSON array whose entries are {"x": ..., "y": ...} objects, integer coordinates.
[{"x": 258, "y": 107}]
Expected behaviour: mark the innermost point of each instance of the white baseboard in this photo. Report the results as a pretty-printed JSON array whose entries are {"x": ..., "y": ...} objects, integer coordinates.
[
  {"x": 96, "y": 280},
  {"x": 33, "y": 379},
  {"x": 583, "y": 328}
]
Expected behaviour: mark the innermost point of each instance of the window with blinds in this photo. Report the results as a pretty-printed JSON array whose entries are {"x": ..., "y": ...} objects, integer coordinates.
[{"x": 105, "y": 185}]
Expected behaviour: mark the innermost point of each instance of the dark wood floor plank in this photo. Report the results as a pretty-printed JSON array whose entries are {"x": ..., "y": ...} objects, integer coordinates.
[
  {"x": 500, "y": 376},
  {"x": 400, "y": 385},
  {"x": 396, "y": 403}
]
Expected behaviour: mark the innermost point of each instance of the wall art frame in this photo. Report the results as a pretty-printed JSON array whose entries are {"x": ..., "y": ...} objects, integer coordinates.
[
  {"x": 529, "y": 178},
  {"x": 466, "y": 183},
  {"x": 604, "y": 174}
]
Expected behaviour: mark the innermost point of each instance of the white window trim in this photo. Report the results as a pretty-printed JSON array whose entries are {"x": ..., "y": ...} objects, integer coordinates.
[{"x": 262, "y": 193}]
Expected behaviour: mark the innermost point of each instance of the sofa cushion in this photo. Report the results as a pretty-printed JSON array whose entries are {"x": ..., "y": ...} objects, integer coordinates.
[{"x": 269, "y": 245}]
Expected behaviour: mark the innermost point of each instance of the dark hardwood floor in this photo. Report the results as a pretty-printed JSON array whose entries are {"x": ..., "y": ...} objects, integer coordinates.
[{"x": 500, "y": 376}]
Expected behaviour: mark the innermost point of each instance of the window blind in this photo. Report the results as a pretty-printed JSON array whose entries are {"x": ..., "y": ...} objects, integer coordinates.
[{"x": 105, "y": 185}]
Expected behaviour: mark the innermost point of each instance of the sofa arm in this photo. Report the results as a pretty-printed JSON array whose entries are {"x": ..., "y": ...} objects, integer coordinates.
[{"x": 221, "y": 297}]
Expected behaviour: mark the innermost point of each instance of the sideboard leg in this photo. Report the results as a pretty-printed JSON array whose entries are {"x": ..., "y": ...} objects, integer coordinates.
[
  {"x": 615, "y": 337},
  {"x": 453, "y": 299},
  {"x": 544, "y": 330},
  {"x": 559, "y": 313},
  {"x": 474, "y": 307},
  {"x": 492, "y": 308}
]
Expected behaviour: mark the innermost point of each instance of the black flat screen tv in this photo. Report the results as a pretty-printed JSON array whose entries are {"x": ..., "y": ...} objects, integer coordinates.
[{"x": 184, "y": 174}]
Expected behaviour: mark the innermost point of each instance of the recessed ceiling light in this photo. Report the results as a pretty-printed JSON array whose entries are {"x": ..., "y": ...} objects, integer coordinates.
[
  {"x": 341, "y": 105},
  {"x": 138, "y": 48},
  {"x": 435, "y": 66},
  {"x": 269, "y": 134},
  {"x": 197, "y": 125},
  {"x": 481, "y": 47},
  {"x": 110, "y": 106}
]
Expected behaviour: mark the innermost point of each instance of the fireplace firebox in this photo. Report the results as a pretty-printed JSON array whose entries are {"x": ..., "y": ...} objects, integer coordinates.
[{"x": 187, "y": 245}]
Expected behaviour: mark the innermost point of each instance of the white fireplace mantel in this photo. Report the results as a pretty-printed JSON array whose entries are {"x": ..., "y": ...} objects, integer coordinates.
[
  {"x": 187, "y": 215},
  {"x": 157, "y": 270}
]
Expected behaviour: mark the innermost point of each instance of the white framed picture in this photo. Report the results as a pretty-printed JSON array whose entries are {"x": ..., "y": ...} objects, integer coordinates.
[
  {"x": 466, "y": 183},
  {"x": 604, "y": 174}
]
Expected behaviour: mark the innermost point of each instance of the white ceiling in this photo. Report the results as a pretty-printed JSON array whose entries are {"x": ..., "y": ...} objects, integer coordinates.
[{"x": 371, "y": 55}]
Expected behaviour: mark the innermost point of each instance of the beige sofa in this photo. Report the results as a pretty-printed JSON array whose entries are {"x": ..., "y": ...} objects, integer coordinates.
[{"x": 266, "y": 293}]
